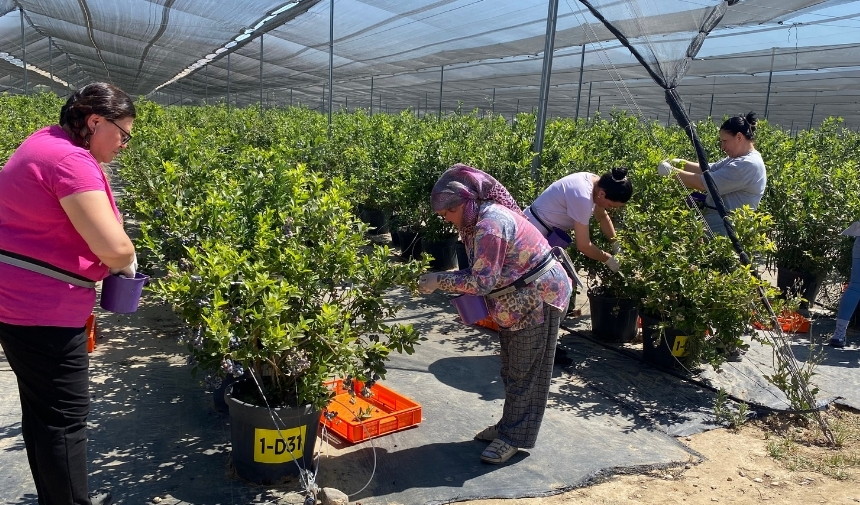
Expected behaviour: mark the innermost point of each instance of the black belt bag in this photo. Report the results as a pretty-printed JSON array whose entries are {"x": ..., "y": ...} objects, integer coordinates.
[
  {"x": 556, "y": 254},
  {"x": 41, "y": 267}
]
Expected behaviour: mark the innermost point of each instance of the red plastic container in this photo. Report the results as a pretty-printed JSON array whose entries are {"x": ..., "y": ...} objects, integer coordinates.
[
  {"x": 91, "y": 333},
  {"x": 488, "y": 323},
  {"x": 384, "y": 412}
]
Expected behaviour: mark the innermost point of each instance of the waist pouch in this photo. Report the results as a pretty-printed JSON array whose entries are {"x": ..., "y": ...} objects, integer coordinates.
[
  {"x": 44, "y": 268},
  {"x": 556, "y": 254}
]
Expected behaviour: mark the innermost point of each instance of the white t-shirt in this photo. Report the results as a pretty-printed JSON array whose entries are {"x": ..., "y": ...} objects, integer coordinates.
[
  {"x": 740, "y": 181},
  {"x": 566, "y": 201}
]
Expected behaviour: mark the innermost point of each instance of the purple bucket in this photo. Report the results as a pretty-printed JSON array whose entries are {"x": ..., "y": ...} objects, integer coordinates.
[
  {"x": 559, "y": 238},
  {"x": 471, "y": 308},
  {"x": 122, "y": 294}
]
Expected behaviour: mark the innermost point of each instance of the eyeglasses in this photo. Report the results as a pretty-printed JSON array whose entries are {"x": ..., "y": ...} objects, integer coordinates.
[{"x": 126, "y": 136}]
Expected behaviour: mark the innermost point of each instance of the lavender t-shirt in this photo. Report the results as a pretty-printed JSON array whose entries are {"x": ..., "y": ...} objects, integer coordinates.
[
  {"x": 567, "y": 201},
  {"x": 44, "y": 169}
]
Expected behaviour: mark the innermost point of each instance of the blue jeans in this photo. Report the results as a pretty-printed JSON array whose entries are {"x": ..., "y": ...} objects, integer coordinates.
[{"x": 851, "y": 296}]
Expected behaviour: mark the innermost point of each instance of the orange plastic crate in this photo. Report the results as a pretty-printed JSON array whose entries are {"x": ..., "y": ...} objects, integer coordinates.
[
  {"x": 790, "y": 322},
  {"x": 389, "y": 412},
  {"x": 794, "y": 323}
]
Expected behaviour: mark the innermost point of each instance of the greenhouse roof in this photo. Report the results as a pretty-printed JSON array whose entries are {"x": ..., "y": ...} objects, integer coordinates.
[{"x": 485, "y": 54}]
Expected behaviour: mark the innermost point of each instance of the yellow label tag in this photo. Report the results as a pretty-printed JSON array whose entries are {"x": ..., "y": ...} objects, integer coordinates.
[
  {"x": 272, "y": 447},
  {"x": 680, "y": 346}
]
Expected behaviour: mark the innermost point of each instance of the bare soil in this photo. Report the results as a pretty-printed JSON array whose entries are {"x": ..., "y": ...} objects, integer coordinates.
[{"x": 781, "y": 459}]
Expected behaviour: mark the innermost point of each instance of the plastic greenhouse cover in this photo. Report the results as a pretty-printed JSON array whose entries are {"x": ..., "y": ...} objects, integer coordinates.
[{"x": 481, "y": 53}]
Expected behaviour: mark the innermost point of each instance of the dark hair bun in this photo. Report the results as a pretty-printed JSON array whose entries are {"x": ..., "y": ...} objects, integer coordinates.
[
  {"x": 619, "y": 174},
  {"x": 751, "y": 120}
]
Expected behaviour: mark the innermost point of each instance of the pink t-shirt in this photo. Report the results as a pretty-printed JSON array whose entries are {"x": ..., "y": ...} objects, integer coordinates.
[{"x": 44, "y": 169}]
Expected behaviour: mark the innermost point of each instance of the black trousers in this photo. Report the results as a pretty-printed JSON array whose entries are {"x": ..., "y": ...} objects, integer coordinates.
[{"x": 52, "y": 368}]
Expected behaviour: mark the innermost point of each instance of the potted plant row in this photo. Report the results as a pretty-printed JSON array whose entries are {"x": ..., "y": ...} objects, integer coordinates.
[{"x": 278, "y": 288}]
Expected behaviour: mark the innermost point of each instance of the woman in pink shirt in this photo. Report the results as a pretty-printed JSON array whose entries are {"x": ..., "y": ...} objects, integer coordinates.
[{"x": 60, "y": 232}]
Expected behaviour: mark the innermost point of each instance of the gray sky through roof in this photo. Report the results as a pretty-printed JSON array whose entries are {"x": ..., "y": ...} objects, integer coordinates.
[{"x": 175, "y": 51}]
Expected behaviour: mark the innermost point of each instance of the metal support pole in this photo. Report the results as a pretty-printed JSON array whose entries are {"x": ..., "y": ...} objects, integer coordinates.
[
  {"x": 588, "y": 107},
  {"x": 713, "y": 90},
  {"x": 813, "y": 111},
  {"x": 330, "y": 60},
  {"x": 518, "y": 106},
  {"x": 261, "y": 74},
  {"x": 769, "y": 80},
  {"x": 23, "y": 48},
  {"x": 598, "y": 104},
  {"x": 579, "y": 89},
  {"x": 441, "y": 83},
  {"x": 689, "y": 108},
  {"x": 551, "y": 18},
  {"x": 51, "y": 62},
  {"x": 206, "y": 80},
  {"x": 371, "y": 95},
  {"x": 228, "y": 80}
]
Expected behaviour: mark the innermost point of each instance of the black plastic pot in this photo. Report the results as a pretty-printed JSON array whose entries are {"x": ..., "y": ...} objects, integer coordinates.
[
  {"x": 260, "y": 453},
  {"x": 854, "y": 322},
  {"x": 378, "y": 220},
  {"x": 792, "y": 283},
  {"x": 665, "y": 350},
  {"x": 613, "y": 319},
  {"x": 395, "y": 237},
  {"x": 444, "y": 253},
  {"x": 410, "y": 244}
]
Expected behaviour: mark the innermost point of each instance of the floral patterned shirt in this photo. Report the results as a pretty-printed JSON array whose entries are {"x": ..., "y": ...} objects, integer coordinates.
[{"x": 506, "y": 247}]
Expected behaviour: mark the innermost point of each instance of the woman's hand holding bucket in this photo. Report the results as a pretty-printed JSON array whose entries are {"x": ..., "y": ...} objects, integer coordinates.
[{"x": 128, "y": 271}]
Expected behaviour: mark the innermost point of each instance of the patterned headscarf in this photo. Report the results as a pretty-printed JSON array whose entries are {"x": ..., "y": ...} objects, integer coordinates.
[{"x": 465, "y": 184}]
